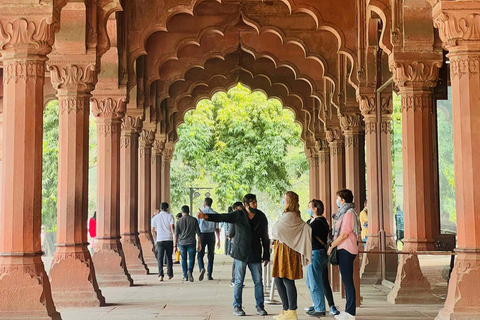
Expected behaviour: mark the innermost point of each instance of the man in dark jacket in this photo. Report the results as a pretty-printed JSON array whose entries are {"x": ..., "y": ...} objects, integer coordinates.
[{"x": 252, "y": 246}]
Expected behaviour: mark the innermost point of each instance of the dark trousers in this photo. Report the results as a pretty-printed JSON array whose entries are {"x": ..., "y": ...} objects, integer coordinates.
[
  {"x": 327, "y": 290},
  {"x": 287, "y": 292},
  {"x": 165, "y": 248},
  {"x": 345, "y": 263},
  {"x": 208, "y": 239}
]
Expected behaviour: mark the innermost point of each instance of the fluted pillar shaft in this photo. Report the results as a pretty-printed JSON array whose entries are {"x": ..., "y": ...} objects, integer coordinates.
[
  {"x": 108, "y": 254},
  {"x": 24, "y": 286},
  {"x": 312, "y": 157},
  {"x": 129, "y": 195},
  {"x": 377, "y": 118},
  {"x": 157, "y": 151},
  {"x": 415, "y": 80},
  {"x": 74, "y": 83},
  {"x": 458, "y": 24},
  {"x": 167, "y": 157},
  {"x": 337, "y": 182},
  {"x": 144, "y": 195},
  {"x": 324, "y": 178}
]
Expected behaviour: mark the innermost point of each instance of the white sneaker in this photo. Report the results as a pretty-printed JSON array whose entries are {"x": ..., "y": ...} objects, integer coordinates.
[{"x": 344, "y": 316}]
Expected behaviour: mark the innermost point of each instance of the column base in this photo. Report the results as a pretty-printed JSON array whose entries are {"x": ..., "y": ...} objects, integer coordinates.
[
  {"x": 419, "y": 245},
  {"x": 25, "y": 289},
  {"x": 110, "y": 264},
  {"x": 410, "y": 285},
  {"x": 148, "y": 249},
  {"x": 371, "y": 268},
  {"x": 335, "y": 278},
  {"x": 72, "y": 278},
  {"x": 463, "y": 300},
  {"x": 133, "y": 254}
]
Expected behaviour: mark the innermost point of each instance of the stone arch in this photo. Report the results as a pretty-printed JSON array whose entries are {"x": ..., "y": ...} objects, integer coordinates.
[{"x": 304, "y": 8}]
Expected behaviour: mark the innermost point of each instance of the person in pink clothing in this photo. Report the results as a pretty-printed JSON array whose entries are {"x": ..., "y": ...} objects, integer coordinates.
[
  {"x": 92, "y": 227},
  {"x": 346, "y": 230}
]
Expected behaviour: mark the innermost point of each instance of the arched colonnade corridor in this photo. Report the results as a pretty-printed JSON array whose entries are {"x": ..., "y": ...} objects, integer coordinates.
[{"x": 138, "y": 66}]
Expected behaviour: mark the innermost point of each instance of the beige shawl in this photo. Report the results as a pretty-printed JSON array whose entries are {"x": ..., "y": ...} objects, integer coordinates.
[{"x": 295, "y": 233}]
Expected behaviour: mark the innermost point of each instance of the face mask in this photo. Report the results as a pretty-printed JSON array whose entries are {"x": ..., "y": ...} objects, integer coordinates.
[
  {"x": 338, "y": 204},
  {"x": 283, "y": 202},
  {"x": 310, "y": 213}
]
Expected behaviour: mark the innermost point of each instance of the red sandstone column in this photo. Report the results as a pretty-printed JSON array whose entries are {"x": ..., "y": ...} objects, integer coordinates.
[
  {"x": 108, "y": 255},
  {"x": 144, "y": 196},
  {"x": 379, "y": 185},
  {"x": 73, "y": 83},
  {"x": 24, "y": 286},
  {"x": 167, "y": 157},
  {"x": 324, "y": 177},
  {"x": 157, "y": 151},
  {"x": 337, "y": 182},
  {"x": 129, "y": 195},
  {"x": 312, "y": 156},
  {"x": 458, "y": 23},
  {"x": 355, "y": 173},
  {"x": 422, "y": 222}
]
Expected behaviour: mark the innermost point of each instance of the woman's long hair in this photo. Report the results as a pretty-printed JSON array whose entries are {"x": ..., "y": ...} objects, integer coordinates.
[{"x": 292, "y": 205}]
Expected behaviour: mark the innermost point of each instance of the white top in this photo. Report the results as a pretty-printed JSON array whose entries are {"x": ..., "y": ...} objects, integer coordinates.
[{"x": 162, "y": 223}]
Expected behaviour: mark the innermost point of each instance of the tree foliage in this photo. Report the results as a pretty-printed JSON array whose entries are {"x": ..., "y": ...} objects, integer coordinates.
[
  {"x": 50, "y": 166},
  {"x": 238, "y": 142},
  {"x": 445, "y": 162}
]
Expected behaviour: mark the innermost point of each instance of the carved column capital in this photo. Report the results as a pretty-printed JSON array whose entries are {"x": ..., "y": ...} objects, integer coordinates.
[
  {"x": 416, "y": 73},
  {"x": 67, "y": 77},
  {"x": 32, "y": 36},
  {"x": 333, "y": 134},
  {"x": 146, "y": 138},
  {"x": 458, "y": 23},
  {"x": 351, "y": 122},
  {"x": 167, "y": 154},
  {"x": 108, "y": 106},
  {"x": 132, "y": 124}
]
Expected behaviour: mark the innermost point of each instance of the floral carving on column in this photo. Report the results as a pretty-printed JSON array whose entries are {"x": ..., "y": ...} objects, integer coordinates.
[
  {"x": 458, "y": 23},
  {"x": 26, "y": 38},
  {"x": 36, "y": 35}
]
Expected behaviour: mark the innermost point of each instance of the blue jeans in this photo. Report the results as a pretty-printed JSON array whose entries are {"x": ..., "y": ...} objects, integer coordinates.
[
  {"x": 256, "y": 271},
  {"x": 191, "y": 250},
  {"x": 315, "y": 278}
]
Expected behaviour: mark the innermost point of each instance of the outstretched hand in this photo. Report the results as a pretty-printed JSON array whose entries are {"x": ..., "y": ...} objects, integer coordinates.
[{"x": 200, "y": 214}]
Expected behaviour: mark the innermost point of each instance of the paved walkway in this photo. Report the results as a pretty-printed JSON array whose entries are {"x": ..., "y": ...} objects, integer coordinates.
[{"x": 212, "y": 300}]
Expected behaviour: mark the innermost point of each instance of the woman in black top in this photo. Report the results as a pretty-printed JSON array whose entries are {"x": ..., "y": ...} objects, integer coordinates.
[{"x": 317, "y": 272}]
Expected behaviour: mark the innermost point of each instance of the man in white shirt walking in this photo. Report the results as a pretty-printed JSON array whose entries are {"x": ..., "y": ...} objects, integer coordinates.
[{"x": 163, "y": 229}]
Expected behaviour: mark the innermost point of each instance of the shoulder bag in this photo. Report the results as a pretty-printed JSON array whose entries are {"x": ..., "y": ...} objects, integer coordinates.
[{"x": 333, "y": 257}]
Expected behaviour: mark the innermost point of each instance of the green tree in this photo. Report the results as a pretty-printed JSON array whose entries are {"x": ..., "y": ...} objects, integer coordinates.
[
  {"x": 238, "y": 142},
  {"x": 50, "y": 166}
]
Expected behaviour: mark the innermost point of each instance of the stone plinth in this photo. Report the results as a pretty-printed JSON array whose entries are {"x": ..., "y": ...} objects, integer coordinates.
[
  {"x": 411, "y": 286},
  {"x": 73, "y": 279},
  {"x": 109, "y": 263},
  {"x": 25, "y": 289}
]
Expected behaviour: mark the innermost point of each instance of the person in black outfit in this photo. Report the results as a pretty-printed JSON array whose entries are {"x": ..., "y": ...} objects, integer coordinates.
[
  {"x": 317, "y": 272},
  {"x": 251, "y": 247}
]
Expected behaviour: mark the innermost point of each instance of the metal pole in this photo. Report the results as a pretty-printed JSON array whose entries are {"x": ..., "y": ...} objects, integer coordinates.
[{"x": 191, "y": 199}]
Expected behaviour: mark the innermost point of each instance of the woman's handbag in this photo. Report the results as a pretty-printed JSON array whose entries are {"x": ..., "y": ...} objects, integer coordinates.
[{"x": 333, "y": 258}]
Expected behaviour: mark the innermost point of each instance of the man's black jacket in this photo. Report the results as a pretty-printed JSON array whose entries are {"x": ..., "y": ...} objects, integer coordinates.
[{"x": 250, "y": 236}]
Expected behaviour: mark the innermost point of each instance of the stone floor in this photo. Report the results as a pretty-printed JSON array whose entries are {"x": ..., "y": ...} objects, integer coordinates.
[{"x": 149, "y": 299}]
